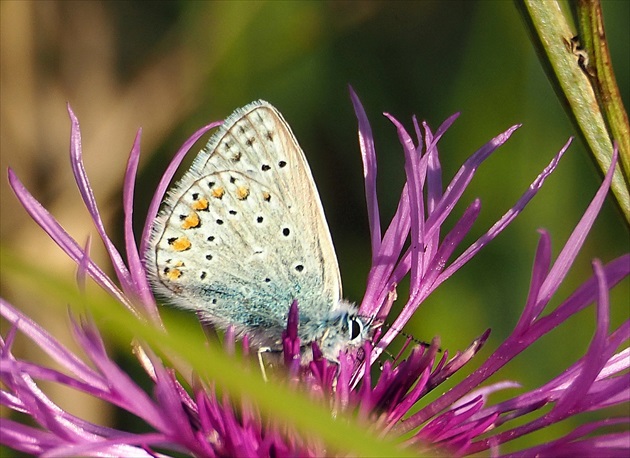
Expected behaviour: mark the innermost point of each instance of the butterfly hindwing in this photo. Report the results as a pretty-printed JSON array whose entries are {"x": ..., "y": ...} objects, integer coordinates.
[{"x": 243, "y": 233}]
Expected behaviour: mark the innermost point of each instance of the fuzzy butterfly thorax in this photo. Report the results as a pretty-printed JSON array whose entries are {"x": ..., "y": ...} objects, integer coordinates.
[{"x": 243, "y": 234}]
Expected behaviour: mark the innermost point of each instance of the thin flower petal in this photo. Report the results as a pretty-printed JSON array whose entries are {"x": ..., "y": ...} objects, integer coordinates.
[
  {"x": 415, "y": 173},
  {"x": 462, "y": 178},
  {"x": 50, "y": 225},
  {"x": 368, "y": 154},
  {"x": 80, "y": 176},
  {"x": 83, "y": 264},
  {"x": 378, "y": 287},
  {"x": 576, "y": 240},
  {"x": 595, "y": 357},
  {"x": 426, "y": 284},
  {"x": 540, "y": 270},
  {"x": 121, "y": 445},
  {"x": 506, "y": 219},
  {"x": 49, "y": 344},
  {"x": 136, "y": 269},
  {"x": 576, "y": 443}
]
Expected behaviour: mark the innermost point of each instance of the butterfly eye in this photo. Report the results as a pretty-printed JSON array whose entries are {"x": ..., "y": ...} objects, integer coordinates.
[{"x": 356, "y": 327}]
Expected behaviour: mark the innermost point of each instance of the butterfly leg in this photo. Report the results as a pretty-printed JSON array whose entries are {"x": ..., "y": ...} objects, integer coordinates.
[{"x": 262, "y": 350}]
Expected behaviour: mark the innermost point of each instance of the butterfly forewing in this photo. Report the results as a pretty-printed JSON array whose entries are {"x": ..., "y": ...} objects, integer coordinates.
[{"x": 243, "y": 233}]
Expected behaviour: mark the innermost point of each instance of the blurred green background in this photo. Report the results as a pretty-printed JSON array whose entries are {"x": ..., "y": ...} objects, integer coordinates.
[{"x": 171, "y": 67}]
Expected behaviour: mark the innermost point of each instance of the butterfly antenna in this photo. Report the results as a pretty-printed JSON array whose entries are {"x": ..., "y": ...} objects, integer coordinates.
[{"x": 410, "y": 338}]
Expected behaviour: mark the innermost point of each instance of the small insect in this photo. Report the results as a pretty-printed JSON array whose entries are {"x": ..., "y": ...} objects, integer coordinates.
[
  {"x": 577, "y": 50},
  {"x": 243, "y": 234}
]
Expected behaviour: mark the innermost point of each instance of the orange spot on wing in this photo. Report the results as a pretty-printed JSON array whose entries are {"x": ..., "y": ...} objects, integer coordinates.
[
  {"x": 181, "y": 244},
  {"x": 173, "y": 274},
  {"x": 201, "y": 204},
  {"x": 218, "y": 192},
  {"x": 242, "y": 192},
  {"x": 191, "y": 221}
]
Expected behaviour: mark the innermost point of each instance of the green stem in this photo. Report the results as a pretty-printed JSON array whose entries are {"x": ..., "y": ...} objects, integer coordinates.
[
  {"x": 584, "y": 82},
  {"x": 591, "y": 28}
]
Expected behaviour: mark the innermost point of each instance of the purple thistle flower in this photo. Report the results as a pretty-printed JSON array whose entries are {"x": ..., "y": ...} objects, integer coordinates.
[{"x": 461, "y": 421}]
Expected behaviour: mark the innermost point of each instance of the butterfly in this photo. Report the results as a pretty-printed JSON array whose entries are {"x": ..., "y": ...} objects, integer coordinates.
[{"x": 243, "y": 234}]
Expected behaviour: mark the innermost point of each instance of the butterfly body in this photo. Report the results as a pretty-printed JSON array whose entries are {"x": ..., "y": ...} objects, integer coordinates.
[{"x": 243, "y": 234}]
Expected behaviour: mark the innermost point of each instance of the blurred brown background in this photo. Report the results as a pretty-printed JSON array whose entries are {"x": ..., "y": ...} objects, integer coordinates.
[{"x": 170, "y": 67}]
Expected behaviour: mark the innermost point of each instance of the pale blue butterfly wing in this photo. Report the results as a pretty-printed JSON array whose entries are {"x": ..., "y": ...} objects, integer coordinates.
[{"x": 243, "y": 234}]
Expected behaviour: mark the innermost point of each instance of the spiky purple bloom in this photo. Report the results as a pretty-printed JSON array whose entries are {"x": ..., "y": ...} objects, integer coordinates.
[{"x": 460, "y": 421}]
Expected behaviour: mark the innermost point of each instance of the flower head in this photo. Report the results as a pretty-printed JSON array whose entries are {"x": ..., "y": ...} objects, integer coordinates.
[{"x": 199, "y": 421}]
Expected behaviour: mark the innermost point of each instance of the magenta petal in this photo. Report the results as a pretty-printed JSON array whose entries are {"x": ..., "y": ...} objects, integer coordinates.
[
  {"x": 378, "y": 284},
  {"x": 84, "y": 262},
  {"x": 368, "y": 154},
  {"x": 50, "y": 345},
  {"x": 76, "y": 161},
  {"x": 428, "y": 282},
  {"x": 119, "y": 445},
  {"x": 576, "y": 240},
  {"x": 462, "y": 178},
  {"x": 576, "y": 443},
  {"x": 41, "y": 216},
  {"x": 121, "y": 386},
  {"x": 415, "y": 174},
  {"x": 136, "y": 269},
  {"x": 595, "y": 357},
  {"x": 26, "y": 439},
  {"x": 542, "y": 261},
  {"x": 619, "y": 362},
  {"x": 170, "y": 401},
  {"x": 506, "y": 219}
]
